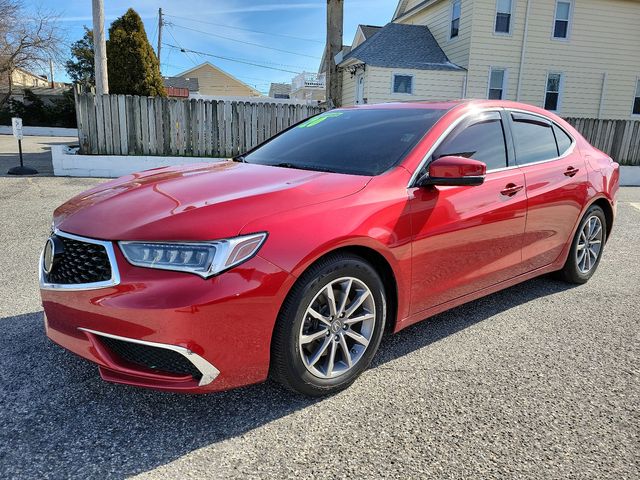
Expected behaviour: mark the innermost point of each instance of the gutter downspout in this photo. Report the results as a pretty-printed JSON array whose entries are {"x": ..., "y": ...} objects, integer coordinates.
[{"x": 523, "y": 50}]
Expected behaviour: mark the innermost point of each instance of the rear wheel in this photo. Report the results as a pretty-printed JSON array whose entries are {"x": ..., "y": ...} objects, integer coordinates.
[
  {"x": 330, "y": 326},
  {"x": 587, "y": 247}
]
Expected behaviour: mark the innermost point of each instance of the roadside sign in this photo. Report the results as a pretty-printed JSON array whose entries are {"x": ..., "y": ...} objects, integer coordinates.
[{"x": 16, "y": 124}]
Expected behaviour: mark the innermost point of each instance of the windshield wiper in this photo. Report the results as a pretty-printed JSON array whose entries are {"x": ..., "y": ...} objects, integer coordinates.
[
  {"x": 313, "y": 168},
  {"x": 239, "y": 158}
]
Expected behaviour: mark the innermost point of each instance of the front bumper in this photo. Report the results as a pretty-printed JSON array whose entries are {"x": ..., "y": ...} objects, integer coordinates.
[{"x": 221, "y": 325}]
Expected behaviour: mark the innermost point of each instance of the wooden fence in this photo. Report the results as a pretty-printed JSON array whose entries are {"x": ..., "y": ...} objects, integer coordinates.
[
  {"x": 620, "y": 139},
  {"x": 133, "y": 125}
]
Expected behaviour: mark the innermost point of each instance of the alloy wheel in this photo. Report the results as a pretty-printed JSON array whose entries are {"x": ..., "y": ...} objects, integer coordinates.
[
  {"x": 337, "y": 328},
  {"x": 589, "y": 244}
]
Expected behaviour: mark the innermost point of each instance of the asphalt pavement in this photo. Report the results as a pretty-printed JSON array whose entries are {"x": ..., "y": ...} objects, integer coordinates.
[
  {"x": 538, "y": 381},
  {"x": 36, "y": 152}
]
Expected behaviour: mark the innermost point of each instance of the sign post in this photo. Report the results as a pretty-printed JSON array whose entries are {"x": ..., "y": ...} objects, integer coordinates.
[{"x": 16, "y": 125}]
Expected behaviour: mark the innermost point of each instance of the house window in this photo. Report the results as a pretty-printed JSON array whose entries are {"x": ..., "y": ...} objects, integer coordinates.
[
  {"x": 503, "y": 16},
  {"x": 403, "y": 84},
  {"x": 552, "y": 94},
  {"x": 455, "y": 18},
  {"x": 561, "y": 23},
  {"x": 636, "y": 100},
  {"x": 497, "y": 80}
]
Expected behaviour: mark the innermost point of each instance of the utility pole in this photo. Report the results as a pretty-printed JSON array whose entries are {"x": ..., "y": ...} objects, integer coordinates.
[
  {"x": 335, "y": 13},
  {"x": 53, "y": 85},
  {"x": 100, "y": 48},
  {"x": 160, "y": 24}
]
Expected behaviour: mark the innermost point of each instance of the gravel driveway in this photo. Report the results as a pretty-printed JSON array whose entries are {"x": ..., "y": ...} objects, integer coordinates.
[{"x": 538, "y": 381}]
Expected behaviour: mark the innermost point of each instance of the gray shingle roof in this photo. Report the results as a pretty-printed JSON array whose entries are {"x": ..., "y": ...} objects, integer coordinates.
[
  {"x": 402, "y": 46},
  {"x": 279, "y": 88},
  {"x": 181, "y": 82},
  {"x": 369, "y": 30}
]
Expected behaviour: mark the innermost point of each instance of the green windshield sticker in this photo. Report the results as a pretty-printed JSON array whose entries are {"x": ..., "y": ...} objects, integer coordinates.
[{"x": 319, "y": 119}]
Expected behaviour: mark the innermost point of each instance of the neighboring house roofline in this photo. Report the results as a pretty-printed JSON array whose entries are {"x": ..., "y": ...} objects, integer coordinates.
[
  {"x": 399, "y": 45},
  {"x": 203, "y": 64},
  {"x": 401, "y": 13},
  {"x": 32, "y": 74}
]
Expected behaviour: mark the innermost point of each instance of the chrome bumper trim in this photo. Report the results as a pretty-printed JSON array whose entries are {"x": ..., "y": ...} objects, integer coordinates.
[
  {"x": 108, "y": 246},
  {"x": 209, "y": 372}
]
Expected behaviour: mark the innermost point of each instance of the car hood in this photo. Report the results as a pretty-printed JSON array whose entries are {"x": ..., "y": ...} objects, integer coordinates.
[{"x": 197, "y": 202}]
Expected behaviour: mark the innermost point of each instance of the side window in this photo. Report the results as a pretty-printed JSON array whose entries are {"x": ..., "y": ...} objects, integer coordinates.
[
  {"x": 561, "y": 21},
  {"x": 455, "y": 18},
  {"x": 563, "y": 140},
  {"x": 483, "y": 141},
  {"x": 533, "y": 139},
  {"x": 497, "y": 79},
  {"x": 503, "y": 16},
  {"x": 403, "y": 84}
]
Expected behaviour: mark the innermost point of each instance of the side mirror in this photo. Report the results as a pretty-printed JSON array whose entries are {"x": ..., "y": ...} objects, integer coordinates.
[{"x": 454, "y": 171}]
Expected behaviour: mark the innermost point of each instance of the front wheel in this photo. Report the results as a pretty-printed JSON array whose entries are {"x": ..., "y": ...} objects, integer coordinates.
[
  {"x": 330, "y": 326},
  {"x": 587, "y": 247}
]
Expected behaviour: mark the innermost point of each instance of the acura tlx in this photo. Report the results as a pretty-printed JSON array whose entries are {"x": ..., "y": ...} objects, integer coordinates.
[{"x": 293, "y": 259}]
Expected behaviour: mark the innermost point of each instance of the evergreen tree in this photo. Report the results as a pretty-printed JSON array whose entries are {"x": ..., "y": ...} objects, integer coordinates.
[
  {"x": 80, "y": 67},
  {"x": 131, "y": 62}
]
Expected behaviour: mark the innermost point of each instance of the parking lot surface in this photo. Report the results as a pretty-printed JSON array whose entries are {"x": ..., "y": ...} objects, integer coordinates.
[{"x": 538, "y": 381}]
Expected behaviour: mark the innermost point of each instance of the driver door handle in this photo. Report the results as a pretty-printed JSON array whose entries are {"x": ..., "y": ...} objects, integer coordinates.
[{"x": 511, "y": 189}]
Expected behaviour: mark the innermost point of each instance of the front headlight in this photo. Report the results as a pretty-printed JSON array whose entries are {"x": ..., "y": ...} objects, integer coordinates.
[{"x": 202, "y": 258}]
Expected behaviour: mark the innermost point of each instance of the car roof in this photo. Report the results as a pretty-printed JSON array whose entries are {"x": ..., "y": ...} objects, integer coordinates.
[{"x": 461, "y": 106}]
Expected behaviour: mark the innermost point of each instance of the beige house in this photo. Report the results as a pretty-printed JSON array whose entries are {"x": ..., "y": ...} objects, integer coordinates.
[
  {"x": 213, "y": 81},
  {"x": 580, "y": 58},
  {"x": 21, "y": 78}
]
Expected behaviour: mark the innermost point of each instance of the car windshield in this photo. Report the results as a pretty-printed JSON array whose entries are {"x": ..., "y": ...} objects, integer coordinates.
[{"x": 353, "y": 141}]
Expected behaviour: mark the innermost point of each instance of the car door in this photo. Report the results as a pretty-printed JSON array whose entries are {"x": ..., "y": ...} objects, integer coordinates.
[
  {"x": 556, "y": 185},
  {"x": 468, "y": 238}
]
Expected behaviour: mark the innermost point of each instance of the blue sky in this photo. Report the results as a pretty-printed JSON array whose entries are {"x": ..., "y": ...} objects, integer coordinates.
[{"x": 295, "y": 26}]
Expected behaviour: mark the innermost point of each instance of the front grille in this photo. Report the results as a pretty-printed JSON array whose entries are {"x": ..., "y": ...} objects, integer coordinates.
[
  {"x": 80, "y": 262},
  {"x": 155, "y": 358}
]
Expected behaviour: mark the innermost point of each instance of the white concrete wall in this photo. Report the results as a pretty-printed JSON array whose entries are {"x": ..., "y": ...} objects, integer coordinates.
[
  {"x": 112, "y": 166},
  {"x": 42, "y": 131}
]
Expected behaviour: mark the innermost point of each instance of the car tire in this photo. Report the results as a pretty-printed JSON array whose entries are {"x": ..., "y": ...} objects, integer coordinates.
[
  {"x": 318, "y": 351},
  {"x": 586, "y": 248}
]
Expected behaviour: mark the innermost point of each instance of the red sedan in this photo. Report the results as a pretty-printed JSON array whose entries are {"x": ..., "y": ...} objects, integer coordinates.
[{"x": 293, "y": 259}]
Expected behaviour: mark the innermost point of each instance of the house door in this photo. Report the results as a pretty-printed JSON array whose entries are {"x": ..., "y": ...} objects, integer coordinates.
[{"x": 360, "y": 88}]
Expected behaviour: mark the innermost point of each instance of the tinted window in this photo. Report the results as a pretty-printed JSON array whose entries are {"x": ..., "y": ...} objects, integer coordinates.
[
  {"x": 534, "y": 139},
  {"x": 564, "y": 141},
  {"x": 482, "y": 141},
  {"x": 360, "y": 142}
]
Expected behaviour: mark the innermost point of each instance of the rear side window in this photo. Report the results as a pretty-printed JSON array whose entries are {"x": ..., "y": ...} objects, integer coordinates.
[
  {"x": 533, "y": 138},
  {"x": 482, "y": 140},
  {"x": 564, "y": 141}
]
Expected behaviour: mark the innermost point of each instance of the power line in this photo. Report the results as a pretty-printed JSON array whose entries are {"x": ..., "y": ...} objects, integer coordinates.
[
  {"x": 244, "y": 42},
  {"x": 246, "y": 29},
  {"x": 185, "y": 50},
  {"x": 180, "y": 46}
]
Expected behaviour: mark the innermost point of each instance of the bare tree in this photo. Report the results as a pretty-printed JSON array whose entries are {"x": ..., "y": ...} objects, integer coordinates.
[{"x": 28, "y": 40}]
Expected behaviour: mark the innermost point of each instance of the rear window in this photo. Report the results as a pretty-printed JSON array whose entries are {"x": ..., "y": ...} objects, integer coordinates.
[
  {"x": 533, "y": 138},
  {"x": 360, "y": 142},
  {"x": 563, "y": 139}
]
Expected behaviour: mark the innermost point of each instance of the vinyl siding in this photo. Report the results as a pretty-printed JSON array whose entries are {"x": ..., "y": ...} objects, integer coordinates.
[
  {"x": 437, "y": 16},
  {"x": 427, "y": 85},
  {"x": 213, "y": 81},
  {"x": 348, "y": 89},
  {"x": 604, "y": 37}
]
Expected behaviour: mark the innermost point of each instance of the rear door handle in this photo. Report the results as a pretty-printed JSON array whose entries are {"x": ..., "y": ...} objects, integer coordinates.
[
  {"x": 571, "y": 171},
  {"x": 511, "y": 189}
]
